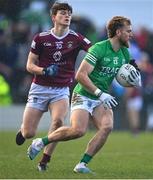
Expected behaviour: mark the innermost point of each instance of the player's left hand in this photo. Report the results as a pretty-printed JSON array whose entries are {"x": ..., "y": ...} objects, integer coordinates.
[
  {"x": 133, "y": 63},
  {"x": 135, "y": 79},
  {"x": 107, "y": 100}
]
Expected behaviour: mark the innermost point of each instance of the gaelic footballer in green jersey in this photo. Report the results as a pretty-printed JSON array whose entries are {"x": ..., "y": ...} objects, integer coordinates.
[{"x": 106, "y": 63}]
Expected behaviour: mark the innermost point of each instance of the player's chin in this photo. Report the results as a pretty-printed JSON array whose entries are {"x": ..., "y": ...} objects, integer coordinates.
[{"x": 66, "y": 23}]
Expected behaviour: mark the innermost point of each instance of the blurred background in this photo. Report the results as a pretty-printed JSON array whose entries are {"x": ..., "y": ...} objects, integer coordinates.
[{"x": 21, "y": 20}]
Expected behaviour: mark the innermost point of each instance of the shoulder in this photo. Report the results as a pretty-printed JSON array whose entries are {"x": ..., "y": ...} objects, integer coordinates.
[
  {"x": 45, "y": 33},
  {"x": 99, "y": 45},
  {"x": 42, "y": 35},
  {"x": 102, "y": 43},
  {"x": 73, "y": 33},
  {"x": 79, "y": 36}
]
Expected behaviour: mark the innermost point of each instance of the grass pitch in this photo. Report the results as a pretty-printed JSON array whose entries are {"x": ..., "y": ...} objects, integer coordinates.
[{"x": 123, "y": 156}]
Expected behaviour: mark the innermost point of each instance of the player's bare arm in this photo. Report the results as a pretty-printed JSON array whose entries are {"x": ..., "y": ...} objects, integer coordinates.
[
  {"x": 82, "y": 76},
  {"x": 32, "y": 66}
]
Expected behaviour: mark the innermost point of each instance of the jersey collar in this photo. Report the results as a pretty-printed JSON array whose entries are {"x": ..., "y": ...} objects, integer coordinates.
[{"x": 57, "y": 37}]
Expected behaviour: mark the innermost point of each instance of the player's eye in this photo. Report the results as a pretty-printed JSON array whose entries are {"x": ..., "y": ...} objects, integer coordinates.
[
  {"x": 65, "y": 12},
  {"x": 69, "y": 13}
]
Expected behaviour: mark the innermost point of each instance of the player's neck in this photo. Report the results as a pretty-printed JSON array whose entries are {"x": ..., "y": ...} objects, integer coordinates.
[
  {"x": 115, "y": 44},
  {"x": 60, "y": 31}
]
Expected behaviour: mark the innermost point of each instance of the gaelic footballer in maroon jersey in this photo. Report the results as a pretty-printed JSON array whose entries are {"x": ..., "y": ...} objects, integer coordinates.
[
  {"x": 62, "y": 51},
  {"x": 52, "y": 62}
]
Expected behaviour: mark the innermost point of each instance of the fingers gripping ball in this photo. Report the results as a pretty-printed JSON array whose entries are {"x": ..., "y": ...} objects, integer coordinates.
[{"x": 128, "y": 76}]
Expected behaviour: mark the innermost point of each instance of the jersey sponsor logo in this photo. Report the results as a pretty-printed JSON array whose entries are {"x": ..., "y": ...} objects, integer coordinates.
[
  {"x": 108, "y": 71},
  {"x": 47, "y": 44},
  {"x": 59, "y": 45},
  {"x": 57, "y": 56},
  {"x": 33, "y": 44},
  {"x": 87, "y": 40}
]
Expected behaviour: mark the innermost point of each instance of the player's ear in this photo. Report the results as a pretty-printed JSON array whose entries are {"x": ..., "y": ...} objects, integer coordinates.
[
  {"x": 118, "y": 32},
  {"x": 53, "y": 18}
]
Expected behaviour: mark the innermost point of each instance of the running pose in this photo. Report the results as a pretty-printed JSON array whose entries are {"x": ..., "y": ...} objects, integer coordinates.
[
  {"x": 52, "y": 61},
  {"x": 91, "y": 96}
]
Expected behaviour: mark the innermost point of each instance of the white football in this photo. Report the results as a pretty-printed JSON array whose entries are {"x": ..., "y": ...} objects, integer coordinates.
[{"x": 123, "y": 74}]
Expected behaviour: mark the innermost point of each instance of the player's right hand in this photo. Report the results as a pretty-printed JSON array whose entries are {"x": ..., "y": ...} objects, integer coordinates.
[
  {"x": 51, "y": 70},
  {"x": 107, "y": 100}
]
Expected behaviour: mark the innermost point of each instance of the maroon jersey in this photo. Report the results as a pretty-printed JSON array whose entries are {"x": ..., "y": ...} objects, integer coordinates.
[{"x": 62, "y": 51}]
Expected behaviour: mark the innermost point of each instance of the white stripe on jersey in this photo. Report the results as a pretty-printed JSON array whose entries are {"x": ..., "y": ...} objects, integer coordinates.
[
  {"x": 87, "y": 40},
  {"x": 91, "y": 58},
  {"x": 44, "y": 33},
  {"x": 33, "y": 44}
]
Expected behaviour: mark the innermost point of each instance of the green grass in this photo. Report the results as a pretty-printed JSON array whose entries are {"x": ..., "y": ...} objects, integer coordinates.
[{"x": 123, "y": 156}]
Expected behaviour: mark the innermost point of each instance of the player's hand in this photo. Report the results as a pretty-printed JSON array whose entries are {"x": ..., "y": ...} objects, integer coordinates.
[
  {"x": 107, "y": 100},
  {"x": 133, "y": 63},
  {"x": 51, "y": 70},
  {"x": 135, "y": 79}
]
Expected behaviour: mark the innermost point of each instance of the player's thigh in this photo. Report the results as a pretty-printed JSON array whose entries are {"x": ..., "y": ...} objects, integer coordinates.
[
  {"x": 79, "y": 119},
  {"x": 102, "y": 117},
  {"x": 59, "y": 109},
  {"x": 31, "y": 118}
]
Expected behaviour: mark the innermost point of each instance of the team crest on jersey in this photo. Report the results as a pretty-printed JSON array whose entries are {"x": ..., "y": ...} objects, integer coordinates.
[
  {"x": 69, "y": 44},
  {"x": 115, "y": 60}
]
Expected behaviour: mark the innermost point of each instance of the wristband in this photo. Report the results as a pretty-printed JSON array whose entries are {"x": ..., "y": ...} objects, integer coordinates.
[
  {"x": 98, "y": 92},
  {"x": 44, "y": 71}
]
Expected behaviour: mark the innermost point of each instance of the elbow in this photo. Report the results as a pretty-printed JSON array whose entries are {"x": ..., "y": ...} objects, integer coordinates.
[
  {"x": 78, "y": 77},
  {"x": 28, "y": 68},
  {"x": 81, "y": 77}
]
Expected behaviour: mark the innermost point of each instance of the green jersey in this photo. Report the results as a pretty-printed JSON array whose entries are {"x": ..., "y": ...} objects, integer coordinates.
[{"x": 106, "y": 64}]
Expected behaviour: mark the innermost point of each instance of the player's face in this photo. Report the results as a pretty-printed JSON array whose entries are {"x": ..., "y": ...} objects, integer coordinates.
[
  {"x": 63, "y": 17},
  {"x": 125, "y": 35}
]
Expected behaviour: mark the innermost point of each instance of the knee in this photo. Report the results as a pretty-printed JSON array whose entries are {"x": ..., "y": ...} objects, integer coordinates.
[
  {"x": 107, "y": 128},
  {"x": 79, "y": 132},
  {"x": 28, "y": 134}
]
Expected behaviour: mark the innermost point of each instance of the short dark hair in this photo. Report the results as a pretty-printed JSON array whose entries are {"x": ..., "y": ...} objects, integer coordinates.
[
  {"x": 60, "y": 6},
  {"x": 115, "y": 23}
]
